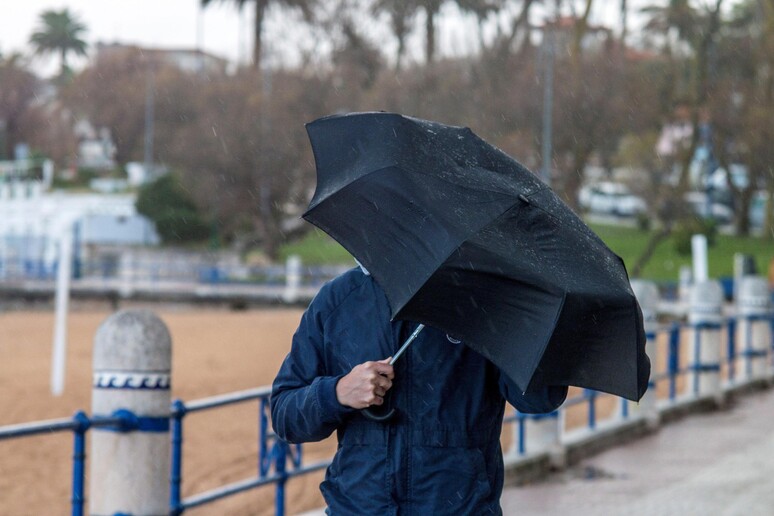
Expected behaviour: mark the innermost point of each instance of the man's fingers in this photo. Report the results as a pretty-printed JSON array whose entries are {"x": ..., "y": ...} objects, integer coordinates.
[
  {"x": 384, "y": 368},
  {"x": 383, "y": 382}
]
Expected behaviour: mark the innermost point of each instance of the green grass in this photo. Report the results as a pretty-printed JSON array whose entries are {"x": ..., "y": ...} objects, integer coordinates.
[
  {"x": 317, "y": 248},
  {"x": 665, "y": 263}
]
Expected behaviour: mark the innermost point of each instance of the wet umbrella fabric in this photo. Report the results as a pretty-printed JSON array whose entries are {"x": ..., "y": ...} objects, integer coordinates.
[{"x": 462, "y": 237}]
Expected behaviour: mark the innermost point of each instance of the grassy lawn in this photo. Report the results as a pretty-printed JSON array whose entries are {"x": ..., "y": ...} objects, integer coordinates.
[
  {"x": 317, "y": 249},
  {"x": 665, "y": 263}
]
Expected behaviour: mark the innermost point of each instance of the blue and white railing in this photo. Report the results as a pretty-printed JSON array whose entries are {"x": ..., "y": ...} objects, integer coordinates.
[{"x": 684, "y": 372}]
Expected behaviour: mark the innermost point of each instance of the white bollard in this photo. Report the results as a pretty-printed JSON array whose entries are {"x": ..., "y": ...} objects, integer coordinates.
[
  {"x": 753, "y": 327},
  {"x": 130, "y": 469},
  {"x": 705, "y": 317},
  {"x": 647, "y": 296},
  {"x": 684, "y": 284},
  {"x": 63, "y": 276},
  {"x": 699, "y": 254},
  {"x": 541, "y": 432},
  {"x": 292, "y": 279}
]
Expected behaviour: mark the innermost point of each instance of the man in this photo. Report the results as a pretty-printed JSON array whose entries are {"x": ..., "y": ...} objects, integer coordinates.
[{"x": 440, "y": 453}]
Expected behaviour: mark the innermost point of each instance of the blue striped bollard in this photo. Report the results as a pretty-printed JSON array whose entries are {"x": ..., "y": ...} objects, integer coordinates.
[
  {"x": 130, "y": 463},
  {"x": 753, "y": 327},
  {"x": 705, "y": 317},
  {"x": 647, "y": 296}
]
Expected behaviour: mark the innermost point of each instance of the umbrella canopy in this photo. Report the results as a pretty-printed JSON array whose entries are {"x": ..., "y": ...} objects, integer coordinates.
[{"x": 462, "y": 237}]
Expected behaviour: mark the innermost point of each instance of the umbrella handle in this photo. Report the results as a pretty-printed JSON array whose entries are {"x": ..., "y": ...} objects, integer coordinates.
[
  {"x": 378, "y": 418},
  {"x": 368, "y": 413},
  {"x": 381, "y": 416}
]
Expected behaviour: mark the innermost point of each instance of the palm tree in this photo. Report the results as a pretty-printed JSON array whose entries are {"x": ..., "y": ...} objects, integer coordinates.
[
  {"x": 260, "y": 12},
  {"x": 59, "y": 32},
  {"x": 401, "y": 13},
  {"x": 431, "y": 8},
  {"x": 677, "y": 15}
]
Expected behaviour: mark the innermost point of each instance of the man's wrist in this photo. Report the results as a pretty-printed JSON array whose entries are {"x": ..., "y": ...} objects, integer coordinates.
[{"x": 327, "y": 397}]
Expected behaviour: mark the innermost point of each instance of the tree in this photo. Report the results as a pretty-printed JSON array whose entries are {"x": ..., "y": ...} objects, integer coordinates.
[
  {"x": 400, "y": 12},
  {"x": 699, "y": 30},
  {"x": 431, "y": 9},
  {"x": 61, "y": 33},
  {"x": 112, "y": 93},
  {"x": 741, "y": 104},
  {"x": 17, "y": 92},
  {"x": 245, "y": 155},
  {"x": 261, "y": 6},
  {"x": 171, "y": 208}
]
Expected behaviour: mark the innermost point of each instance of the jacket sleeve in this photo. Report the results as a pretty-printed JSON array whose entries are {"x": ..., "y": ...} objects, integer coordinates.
[
  {"x": 303, "y": 401},
  {"x": 544, "y": 400}
]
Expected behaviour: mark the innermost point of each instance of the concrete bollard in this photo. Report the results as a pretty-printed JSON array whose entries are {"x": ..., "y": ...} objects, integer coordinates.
[
  {"x": 647, "y": 296},
  {"x": 753, "y": 327},
  {"x": 541, "y": 432},
  {"x": 130, "y": 469},
  {"x": 705, "y": 317}
]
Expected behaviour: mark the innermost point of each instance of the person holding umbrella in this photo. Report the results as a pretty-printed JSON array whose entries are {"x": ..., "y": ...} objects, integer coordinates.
[
  {"x": 440, "y": 451},
  {"x": 505, "y": 293}
]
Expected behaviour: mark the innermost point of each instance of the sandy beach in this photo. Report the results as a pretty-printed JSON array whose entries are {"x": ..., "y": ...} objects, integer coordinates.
[{"x": 215, "y": 351}]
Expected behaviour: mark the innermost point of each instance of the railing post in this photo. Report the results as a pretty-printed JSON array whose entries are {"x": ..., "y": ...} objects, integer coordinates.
[
  {"x": 130, "y": 469},
  {"x": 731, "y": 336},
  {"x": 754, "y": 330},
  {"x": 673, "y": 362},
  {"x": 264, "y": 459},
  {"x": 79, "y": 458},
  {"x": 647, "y": 296},
  {"x": 280, "y": 460},
  {"x": 176, "y": 473},
  {"x": 705, "y": 317}
]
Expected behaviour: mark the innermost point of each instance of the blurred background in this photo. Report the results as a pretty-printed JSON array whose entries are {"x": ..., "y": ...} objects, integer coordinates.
[
  {"x": 181, "y": 124},
  {"x": 155, "y": 152}
]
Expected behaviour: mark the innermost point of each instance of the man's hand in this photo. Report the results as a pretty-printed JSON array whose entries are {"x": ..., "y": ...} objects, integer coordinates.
[{"x": 365, "y": 385}]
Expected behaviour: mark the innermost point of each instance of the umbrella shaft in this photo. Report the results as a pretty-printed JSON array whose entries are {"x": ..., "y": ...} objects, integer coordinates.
[{"x": 405, "y": 345}]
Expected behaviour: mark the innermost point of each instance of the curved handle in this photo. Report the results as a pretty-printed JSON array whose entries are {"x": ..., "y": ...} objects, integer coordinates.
[
  {"x": 378, "y": 418},
  {"x": 381, "y": 418}
]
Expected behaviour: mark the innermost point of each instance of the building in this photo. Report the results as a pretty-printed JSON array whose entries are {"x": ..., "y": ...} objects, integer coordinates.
[
  {"x": 33, "y": 222},
  {"x": 189, "y": 60}
]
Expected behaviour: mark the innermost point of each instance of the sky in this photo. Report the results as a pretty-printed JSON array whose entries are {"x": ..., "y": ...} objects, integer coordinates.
[{"x": 220, "y": 29}]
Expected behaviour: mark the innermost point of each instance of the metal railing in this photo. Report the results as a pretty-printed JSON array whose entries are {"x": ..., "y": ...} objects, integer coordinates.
[{"x": 275, "y": 455}]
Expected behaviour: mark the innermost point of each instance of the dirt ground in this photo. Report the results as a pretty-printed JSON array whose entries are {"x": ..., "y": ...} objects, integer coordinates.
[{"x": 214, "y": 351}]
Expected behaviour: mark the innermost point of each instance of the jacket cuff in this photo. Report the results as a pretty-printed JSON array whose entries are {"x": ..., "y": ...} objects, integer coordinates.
[
  {"x": 330, "y": 408},
  {"x": 556, "y": 395}
]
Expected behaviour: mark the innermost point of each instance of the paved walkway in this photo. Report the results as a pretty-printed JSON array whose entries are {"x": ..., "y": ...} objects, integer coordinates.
[{"x": 717, "y": 464}]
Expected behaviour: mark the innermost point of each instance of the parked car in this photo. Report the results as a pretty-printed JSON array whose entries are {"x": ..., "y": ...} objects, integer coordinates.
[
  {"x": 706, "y": 208},
  {"x": 611, "y": 198}
]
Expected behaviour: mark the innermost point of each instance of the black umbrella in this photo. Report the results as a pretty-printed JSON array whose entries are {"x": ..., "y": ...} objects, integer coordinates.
[{"x": 463, "y": 238}]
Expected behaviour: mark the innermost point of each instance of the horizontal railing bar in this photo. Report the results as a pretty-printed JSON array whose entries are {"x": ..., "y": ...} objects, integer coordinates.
[
  {"x": 228, "y": 399},
  {"x": 244, "y": 485},
  {"x": 38, "y": 428},
  {"x": 57, "y": 425}
]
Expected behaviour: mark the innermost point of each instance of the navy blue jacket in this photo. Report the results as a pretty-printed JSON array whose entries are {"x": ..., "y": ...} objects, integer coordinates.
[{"x": 441, "y": 454}]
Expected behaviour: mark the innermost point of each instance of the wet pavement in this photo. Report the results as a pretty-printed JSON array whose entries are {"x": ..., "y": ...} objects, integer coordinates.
[{"x": 721, "y": 463}]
